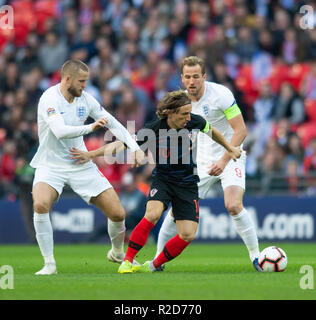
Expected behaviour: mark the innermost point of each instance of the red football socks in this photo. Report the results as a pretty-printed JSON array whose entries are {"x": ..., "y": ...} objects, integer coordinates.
[
  {"x": 138, "y": 239},
  {"x": 171, "y": 250}
]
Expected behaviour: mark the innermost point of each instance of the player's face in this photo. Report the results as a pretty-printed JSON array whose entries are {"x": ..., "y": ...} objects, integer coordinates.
[
  {"x": 179, "y": 119},
  {"x": 193, "y": 80},
  {"x": 78, "y": 83}
]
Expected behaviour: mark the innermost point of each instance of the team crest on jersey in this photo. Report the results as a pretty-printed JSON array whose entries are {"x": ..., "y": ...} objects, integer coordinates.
[
  {"x": 51, "y": 112},
  {"x": 153, "y": 192},
  {"x": 81, "y": 112},
  {"x": 205, "y": 110}
]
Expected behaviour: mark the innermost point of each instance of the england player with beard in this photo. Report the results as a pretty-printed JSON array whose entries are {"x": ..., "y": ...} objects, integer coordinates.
[{"x": 62, "y": 111}]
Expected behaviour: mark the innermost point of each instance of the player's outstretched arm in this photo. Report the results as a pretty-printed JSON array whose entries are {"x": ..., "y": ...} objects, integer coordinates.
[
  {"x": 84, "y": 156},
  {"x": 63, "y": 131},
  {"x": 233, "y": 152}
]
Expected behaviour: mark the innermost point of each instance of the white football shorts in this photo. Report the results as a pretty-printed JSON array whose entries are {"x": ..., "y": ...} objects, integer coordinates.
[
  {"x": 87, "y": 183},
  {"x": 233, "y": 175}
]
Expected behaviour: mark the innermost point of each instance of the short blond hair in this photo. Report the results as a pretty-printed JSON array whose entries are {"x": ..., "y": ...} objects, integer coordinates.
[
  {"x": 172, "y": 101},
  {"x": 71, "y": 67},
  {"x": 193, "y": 61}
]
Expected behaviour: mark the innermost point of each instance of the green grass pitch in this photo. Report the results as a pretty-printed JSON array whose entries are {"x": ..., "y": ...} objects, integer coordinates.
[{"x": 202, "y": 272}]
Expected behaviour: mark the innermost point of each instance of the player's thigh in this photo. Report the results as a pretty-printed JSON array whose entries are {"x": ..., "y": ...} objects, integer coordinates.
[
  {"x": 205, "y": 185},
  {"x": 43, "y": 197},
  {"x": 234, "y": 173},
  {"x": 154, "y": 210},
  {"x": 187, "y": 229},
  {"x": 47, "y": 186},
  {"x": 233, "y": 198},
  {"x": 109, "y": 203},
  {"x": 89, "y": 183}
]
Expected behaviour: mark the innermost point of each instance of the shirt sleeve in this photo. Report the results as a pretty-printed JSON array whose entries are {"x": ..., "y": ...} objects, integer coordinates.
[
  {"x": 117, "y": 129},
  {"x": 227, "y": 103},
  {"x": 48, "y": 109},
  {"x": 201, "y": 123}
]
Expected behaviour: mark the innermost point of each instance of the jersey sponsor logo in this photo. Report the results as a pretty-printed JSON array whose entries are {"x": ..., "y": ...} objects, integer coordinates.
[
  {"x": 81, "y": 112},
  {"x": 205, "y": 110},
  {"x": 51, "y": 112},
  {"x": 153, "y": 192}
]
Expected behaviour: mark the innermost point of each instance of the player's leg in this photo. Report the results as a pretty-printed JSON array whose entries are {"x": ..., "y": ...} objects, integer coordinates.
[
  {"x": 94, "y": 188},
  {"x": 168, "y": 228},
  {"x": 186, "y": 212},
  {"x": 175, "y": 246},
  {"x": 109, "y": 203},
  {"x": 141, "y": 232},
  {"x": 233, "y": 197},
  {"x": 234, "y": 184},
  {"x": 43, "y": 197}
]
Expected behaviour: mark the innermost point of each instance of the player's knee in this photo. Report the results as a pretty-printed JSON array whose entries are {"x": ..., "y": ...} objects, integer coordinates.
[
  {"x": 187, "y": 236},
  {"x": 41, "y": 206},
  {"x": 152, "y": 216},
  {"x": 118, "y": 216},
  {"x": 234, "y": 207}
]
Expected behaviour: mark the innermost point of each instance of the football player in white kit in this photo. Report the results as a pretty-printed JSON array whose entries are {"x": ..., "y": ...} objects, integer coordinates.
[
  {"x": 217, "y": 105},
  {"x": 62, "y": 111}
]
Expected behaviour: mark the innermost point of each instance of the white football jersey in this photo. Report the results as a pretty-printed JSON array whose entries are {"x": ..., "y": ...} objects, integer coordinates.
[
  {"x": 54, "y": 153},
  {"x": 215, "y": 100}
]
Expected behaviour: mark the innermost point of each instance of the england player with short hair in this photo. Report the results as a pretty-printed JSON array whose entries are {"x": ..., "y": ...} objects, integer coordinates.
[
  {"x": 62, "y": 111},
  {"x": 217, "y": 105}
]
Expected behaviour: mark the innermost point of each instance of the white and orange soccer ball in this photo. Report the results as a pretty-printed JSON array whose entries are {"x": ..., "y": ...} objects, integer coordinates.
[{"x": 272, "y": 259}]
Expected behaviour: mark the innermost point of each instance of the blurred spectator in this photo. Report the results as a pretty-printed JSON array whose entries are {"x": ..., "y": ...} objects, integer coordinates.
[
  {"x": 53, "y": 53},
  {"x": 289, "y": 105},
  {"x": 309, "y": 166},
  {"x": 134, "y": 47},
  {"x": 130, "y": 110},
  {"x": 308, "y": 86},
  {"x": 294, "y": 149},
  {"x": 7, "y": 169},
  {"x": 84, "y": 49}
]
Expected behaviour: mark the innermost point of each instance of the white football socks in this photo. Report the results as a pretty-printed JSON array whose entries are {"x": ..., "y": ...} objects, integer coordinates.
[
  {"x": 116, "y": 231},
  {"x": 44, "y": 236},
  {"x": 246, "y": 229},
  {"x": 167, "y": 231}
]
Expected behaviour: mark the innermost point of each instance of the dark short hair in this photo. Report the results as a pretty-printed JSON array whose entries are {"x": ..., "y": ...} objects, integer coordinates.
[
  {"x": 193, "y": 61},
  {"x": 172, "y": 101}
]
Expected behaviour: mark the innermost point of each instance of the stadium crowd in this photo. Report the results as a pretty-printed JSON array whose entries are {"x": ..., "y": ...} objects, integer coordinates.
[{"x": 258, "y": 49}]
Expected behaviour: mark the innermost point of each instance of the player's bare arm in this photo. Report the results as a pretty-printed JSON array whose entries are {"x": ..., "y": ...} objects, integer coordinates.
[
  {"x": 233, "y": 152},
  {"x": 240, "y": 133},
  {"x": 113, "y": 148},
  {"x": 82, "y": 157}
]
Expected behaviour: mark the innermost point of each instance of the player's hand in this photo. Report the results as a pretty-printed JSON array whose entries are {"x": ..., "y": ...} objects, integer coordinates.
[
  {"x": 80, "y": 156},
  {"x": 138, "y": 158},
  {"x": 235, "y": 153},
  {"x": 217, "y": 167},
  {"x": 100, "y": 123}
]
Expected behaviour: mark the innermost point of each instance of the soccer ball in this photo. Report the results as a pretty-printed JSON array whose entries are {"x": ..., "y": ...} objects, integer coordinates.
[{"x": 272, "y": 259}]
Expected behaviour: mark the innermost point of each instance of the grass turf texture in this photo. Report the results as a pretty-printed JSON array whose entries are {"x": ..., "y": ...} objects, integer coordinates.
[{"x": 202, "y": 272}]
